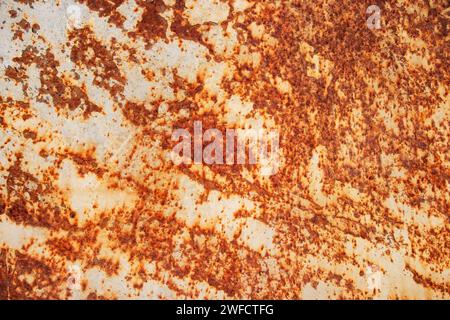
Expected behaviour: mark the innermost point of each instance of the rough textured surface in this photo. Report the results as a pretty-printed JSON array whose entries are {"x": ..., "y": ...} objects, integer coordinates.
[{"x": 91, "y": 208}]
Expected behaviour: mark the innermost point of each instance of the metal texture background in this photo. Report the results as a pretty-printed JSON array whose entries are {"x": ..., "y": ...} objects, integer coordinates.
[{"x": 91, "y": 91}]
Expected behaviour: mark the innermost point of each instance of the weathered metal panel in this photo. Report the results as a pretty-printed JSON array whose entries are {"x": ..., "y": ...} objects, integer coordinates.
[{"x": 93, "y": 207}]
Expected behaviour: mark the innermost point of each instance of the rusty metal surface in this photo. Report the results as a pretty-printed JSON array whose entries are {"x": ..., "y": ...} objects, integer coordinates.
[{"x": 91, "y": 91}]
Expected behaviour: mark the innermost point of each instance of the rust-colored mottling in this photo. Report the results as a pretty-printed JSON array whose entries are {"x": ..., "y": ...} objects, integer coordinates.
[
  {"x": 151, "y": 23},
  {"x": 106, "y": 8},
  {"x": 92, "y": 207},
  {"x": 89, "y": 52}
]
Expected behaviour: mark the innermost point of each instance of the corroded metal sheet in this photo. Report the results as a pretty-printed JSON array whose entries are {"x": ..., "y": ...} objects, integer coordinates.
[{"x": 92, "y": 207}]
